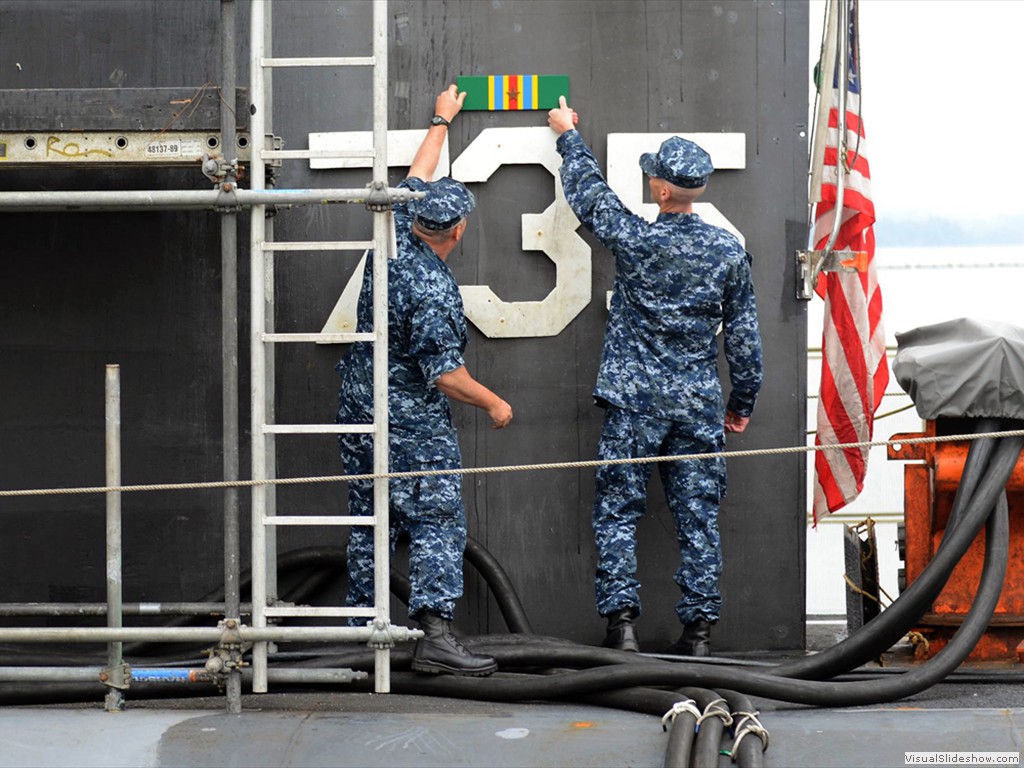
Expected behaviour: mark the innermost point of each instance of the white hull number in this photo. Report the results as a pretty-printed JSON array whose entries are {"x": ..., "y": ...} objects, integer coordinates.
[{"x": 552, "y": 231}]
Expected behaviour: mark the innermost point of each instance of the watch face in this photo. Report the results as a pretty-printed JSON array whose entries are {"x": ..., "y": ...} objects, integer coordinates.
[{"x": 438, "y": 120}]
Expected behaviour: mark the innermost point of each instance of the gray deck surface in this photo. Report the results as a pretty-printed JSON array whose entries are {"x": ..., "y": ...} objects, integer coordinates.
[
  {"x": 357, "y": 729},
  {"x": 979, "y": 708}
]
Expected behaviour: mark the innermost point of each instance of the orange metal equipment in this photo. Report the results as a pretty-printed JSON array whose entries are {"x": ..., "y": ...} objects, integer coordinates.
[{"x": 928, "y": 491}]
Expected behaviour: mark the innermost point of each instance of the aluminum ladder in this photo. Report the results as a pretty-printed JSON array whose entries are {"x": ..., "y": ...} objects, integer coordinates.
[{"x": 265, "y": 519}]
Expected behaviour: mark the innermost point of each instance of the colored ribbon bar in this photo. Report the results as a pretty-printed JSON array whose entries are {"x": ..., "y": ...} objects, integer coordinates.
[{"x": 512, "y": 92}]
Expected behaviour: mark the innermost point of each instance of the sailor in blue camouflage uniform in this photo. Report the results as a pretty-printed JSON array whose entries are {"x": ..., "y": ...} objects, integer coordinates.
[
  {"x": 426, "y": 340},
  {"x": 677, "y": 281}
]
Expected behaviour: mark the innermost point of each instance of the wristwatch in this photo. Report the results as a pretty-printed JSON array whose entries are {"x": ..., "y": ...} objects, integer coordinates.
[{"x": 438, "y": 120}]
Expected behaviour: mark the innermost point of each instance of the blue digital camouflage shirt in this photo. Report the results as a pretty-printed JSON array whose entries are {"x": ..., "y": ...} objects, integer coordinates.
[
  {"x": 427, "y": 337},
  {"x": 676, "y": 281}
]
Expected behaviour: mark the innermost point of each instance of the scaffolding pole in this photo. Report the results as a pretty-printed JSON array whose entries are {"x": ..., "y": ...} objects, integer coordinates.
[
  {"x": 229, "y": 341},
  {"x": 338, "y": 634},
  {"x": 229, "y": 198},
  {"x": 172, "y": 675},
  {"x": 382, "y": 226},
  {"x": 127, "y": 609},
  {"x": 114, "y": 701},
  {"x": 257, "y": 327}
]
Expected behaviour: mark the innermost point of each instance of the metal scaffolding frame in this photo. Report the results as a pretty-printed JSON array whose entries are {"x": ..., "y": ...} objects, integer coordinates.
[
  {"x": 264, "y": 428},
  {"x": 226, "y": 198}
]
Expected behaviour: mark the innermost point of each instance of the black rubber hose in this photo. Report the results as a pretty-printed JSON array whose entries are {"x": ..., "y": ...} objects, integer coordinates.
[
  {"x": 851, "y": 652},
  {"x": 652, "y": 672},
  {"x": 646, "y": 671},
  {"x": 334, "y": 558},
  {"x": 500, "y": 585},
  {"x": 882, "y": 632},
  {"x": 710, "y": 729},
  {"x": 400, "y": 586},
  {"x": 763, "y": 684},
  {"x": 516, "y": 652},
  {"x": 681, "y": 736},
  {"x": 308, "y": 557},
  {"x": 647, "y": 701},
  {"x": 504, "y": 687},
  {"x": 978, "y": 456},
  {"x": 750, "y": 752}
]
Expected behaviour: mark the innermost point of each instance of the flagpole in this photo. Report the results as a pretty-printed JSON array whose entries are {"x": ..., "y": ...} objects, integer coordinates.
[
  {"x": 820, "y": 136},
  {"x": 842, "y": 64}
]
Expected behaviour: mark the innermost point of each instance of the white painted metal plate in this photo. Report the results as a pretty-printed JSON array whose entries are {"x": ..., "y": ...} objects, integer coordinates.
[
  {"x": 727, "y": 150},
  {"x": 115, "y": 148},
  {"x": 553, "y": 232},
  {"x": 402, "y": 146}
]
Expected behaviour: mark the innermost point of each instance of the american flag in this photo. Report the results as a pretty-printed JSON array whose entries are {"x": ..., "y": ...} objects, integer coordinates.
[{"x": 854, "y": 371}]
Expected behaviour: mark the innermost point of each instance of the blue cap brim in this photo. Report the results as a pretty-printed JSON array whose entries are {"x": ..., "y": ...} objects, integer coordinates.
[{"x": 649, "y": 164}]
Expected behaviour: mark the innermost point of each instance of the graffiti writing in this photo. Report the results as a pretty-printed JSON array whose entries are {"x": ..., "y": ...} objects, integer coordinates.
[{"x": 71, "y": 149}]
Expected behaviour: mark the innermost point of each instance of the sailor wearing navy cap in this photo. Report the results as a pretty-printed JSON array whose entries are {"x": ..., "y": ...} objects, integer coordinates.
[
  {"x": 679, "y": 162},
  {"x": 676, "y": 281},
  {"x": 447, "y": 204},
  {"x": 426, "y": 341}
]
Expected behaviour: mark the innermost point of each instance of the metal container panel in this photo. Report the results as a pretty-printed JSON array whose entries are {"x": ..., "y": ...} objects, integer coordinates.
[{"x": 81, "y": 290}]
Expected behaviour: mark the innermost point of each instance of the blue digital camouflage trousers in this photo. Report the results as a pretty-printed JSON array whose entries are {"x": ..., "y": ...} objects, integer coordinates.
[
  {"x": 694, "y": 490},
  {"x": 429, "y": 509}
]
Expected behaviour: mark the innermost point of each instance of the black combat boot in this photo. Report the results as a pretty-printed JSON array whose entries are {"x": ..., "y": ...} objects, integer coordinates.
[
  {"x": 695, "y": 640},
  {"x": 621, "y": 630},
  {"x": 439, "y": 652}
]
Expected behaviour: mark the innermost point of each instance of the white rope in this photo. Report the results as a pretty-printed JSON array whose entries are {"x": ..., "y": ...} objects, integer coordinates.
[
  {"x": 509, "y": 468},
  {"x": 687, "y": 705},
  {"x": 749, "y": 724},
  {"x": 715, "y": 709}
]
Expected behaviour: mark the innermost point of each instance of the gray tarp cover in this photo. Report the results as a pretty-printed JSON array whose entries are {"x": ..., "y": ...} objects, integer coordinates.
[{"x": 963, "y": 367}]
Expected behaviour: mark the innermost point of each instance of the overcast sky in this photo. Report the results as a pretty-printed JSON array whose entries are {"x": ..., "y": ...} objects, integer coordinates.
[{"x": 941, "y": 105}]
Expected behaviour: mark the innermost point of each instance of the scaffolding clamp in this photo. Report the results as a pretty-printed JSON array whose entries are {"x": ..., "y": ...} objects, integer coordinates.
[
  {"x": 227, "y": 200},
  {"x": 379, "y": 199},
  {"x": 217, "y": 171},
  {"x": 380, "y": 638},
  {"x": 809, "y": 264},
  {"x": 227, "y": 656},
  {"x": 118, "y": 677}
]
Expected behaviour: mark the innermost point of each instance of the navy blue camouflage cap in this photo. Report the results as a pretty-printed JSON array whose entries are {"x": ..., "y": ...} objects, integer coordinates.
[
  {"x": 447, "y": 203},
  {"x": 679, "y": 162}
]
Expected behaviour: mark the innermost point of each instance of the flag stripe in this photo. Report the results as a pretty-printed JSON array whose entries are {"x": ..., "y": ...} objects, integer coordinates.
[
  {"x": 845, "y": 335},
  {"x": 859, "y": 166},
  {"x": 836, "y": 474},
  {"x": 842, "y": 467},
  {"x": 853, "y": 123},
  {"x": 854, "y": 370}
]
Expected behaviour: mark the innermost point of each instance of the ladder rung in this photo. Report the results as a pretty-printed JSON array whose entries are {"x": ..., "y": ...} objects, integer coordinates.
[
  {"x": 318, "y": 154},
  {"x": 321, "y": 338},
  {"x": 310, "y": 610},
  {"x": 319, "y": 61},
  {"x": 319, "y": 520},
  {"x": 317, "y": 429},
  {"x": 335, "y": 245}
]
